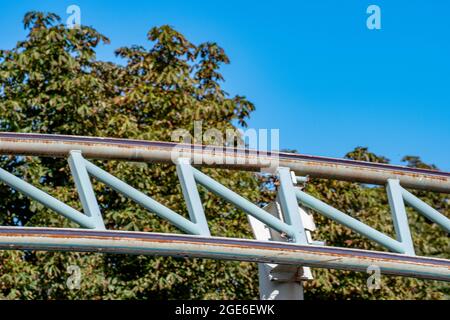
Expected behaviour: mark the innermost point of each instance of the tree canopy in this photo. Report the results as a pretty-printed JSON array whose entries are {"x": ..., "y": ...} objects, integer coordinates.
[{"x": 52, "y": 82}]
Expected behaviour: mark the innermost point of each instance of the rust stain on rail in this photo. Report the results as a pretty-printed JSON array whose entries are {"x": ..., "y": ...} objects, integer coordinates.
[
  {"x": 253, "y": 160},
  {"x": 279, "y": 248},
  {"x": 126, "y": 242}
]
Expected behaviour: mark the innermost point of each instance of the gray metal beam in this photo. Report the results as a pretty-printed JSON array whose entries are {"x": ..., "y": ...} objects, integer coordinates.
[
  {"x": 399, "y": 217},
  {"x": 426, "y": 210},
  {"x": 141, "y": 198},
  {"x": 350, "y": 222},
  {"x": 84, "y": 188},
  {"x": 46, "y": 199},
  {"x": 191, "y": 196}
]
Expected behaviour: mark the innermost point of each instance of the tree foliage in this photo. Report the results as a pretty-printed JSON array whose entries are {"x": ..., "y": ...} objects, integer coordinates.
[{"x": 53, "y": 83}]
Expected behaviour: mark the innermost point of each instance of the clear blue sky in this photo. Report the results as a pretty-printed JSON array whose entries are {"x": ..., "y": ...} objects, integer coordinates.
[{"x": 312, "y": 68}]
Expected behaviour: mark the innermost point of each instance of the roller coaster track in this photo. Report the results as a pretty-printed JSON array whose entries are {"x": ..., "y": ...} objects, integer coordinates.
[{"x": 299, "y": 250}]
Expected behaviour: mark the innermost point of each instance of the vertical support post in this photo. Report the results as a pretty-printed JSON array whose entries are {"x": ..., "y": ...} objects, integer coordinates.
[
  {"x": 289, "y": 205},
  {"x": 191, "y": 196},
  {"x": 274, "y": 289},
  {"x": 398, "y": 211},
  {"x": 275, "y": 284},
  {"x": 84, "y": 188},
  {"x": 281, "y": 282}
]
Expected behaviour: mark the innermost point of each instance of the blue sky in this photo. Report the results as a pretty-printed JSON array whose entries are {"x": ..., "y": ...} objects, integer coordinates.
[{"x": 312, "y": 68}]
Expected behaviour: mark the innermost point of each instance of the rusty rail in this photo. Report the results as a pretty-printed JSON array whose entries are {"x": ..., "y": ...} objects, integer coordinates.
[
  {"x": 252, "y": 160},
  {"x": 14, "y": 238}
]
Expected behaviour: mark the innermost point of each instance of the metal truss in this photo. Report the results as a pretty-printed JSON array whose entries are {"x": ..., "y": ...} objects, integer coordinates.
[{"x": 283, "y": 230}]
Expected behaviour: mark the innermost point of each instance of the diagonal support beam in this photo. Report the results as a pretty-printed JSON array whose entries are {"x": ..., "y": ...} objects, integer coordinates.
[
  {"x": 352, "y": 223},
  {"x": 289, "y": 205},
  {"x": 426, "y": 210},
  {"x": 84, "y": 188},
  {"x": 242, "y": 203},
  {"x": 141, "y": 198},
  {"x": 46, "y": 199},
  {"x": 398, "y": 211}
]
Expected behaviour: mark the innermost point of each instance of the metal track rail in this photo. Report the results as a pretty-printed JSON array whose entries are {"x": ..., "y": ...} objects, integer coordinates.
[
  {"x": 155, "y": 151},
  {"x": 52, "y": 239}
]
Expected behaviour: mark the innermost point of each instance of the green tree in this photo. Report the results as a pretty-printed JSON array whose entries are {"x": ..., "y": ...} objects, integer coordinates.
[{"x": 52, "y": 82}]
